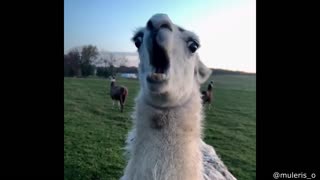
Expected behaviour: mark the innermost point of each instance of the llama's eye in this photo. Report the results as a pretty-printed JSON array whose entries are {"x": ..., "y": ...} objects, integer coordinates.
[
  {"x": 138, "y": 41},
  {"x": 193, "y": 46}
]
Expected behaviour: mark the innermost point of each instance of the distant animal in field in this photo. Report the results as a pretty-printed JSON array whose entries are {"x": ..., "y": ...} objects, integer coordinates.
[
  {"x": 118, "y": 93},
  {"x": 207, "y": 95}
]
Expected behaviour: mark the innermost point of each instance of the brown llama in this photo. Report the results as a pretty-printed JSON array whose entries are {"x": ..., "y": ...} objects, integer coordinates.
[
  {"x": 207, "y": 96},
  {"x": 118, "y": 93}
]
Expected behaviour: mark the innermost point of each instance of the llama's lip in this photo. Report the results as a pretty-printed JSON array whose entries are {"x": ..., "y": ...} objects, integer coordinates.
[{"x": 157, "y": 77}]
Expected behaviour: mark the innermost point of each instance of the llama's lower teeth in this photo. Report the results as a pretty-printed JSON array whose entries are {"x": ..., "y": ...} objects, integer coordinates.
[{"x": 156, "y": 77}]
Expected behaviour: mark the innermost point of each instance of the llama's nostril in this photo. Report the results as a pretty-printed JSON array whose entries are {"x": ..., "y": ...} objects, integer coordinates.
[
  {"x": 159, "y": 21},
  {"x": 149, "y": 25},
  {"x": 167, "y": 26}
]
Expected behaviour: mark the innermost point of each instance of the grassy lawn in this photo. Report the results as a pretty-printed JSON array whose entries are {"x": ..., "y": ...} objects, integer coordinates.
[{"x": 94, "y": 132}]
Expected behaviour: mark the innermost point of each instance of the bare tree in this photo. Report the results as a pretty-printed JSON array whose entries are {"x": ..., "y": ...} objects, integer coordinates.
[
  {"x": 123, "y": 61},
  {"x": 80, "y": 60},
  {"x": 88, "y": 55},
  {"x": 110, "y": 59},
  {"x": 74, "y": 59}
]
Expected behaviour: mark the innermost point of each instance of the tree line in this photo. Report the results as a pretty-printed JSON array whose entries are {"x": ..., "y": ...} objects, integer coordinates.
[{"x": 88, "y": 60}]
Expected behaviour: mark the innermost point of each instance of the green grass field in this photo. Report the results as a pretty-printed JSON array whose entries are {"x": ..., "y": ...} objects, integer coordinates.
[{"x": 94, "y": 133}]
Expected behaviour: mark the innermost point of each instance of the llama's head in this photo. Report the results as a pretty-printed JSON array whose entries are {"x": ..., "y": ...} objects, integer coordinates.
[{"x": 170, "y": 67}]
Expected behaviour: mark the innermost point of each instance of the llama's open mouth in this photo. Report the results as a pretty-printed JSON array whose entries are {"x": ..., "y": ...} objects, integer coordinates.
[{"x": 159, "y": 61}]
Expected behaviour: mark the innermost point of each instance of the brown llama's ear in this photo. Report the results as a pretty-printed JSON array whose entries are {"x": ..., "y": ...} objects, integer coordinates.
[{"x": 202, "y": 72}]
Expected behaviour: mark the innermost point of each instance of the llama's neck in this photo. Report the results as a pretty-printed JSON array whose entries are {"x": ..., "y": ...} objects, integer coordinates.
[
  {"x": 112, "y": 84},
  {"x": 182, "y": 120},
  {"x": 168, "y": 140},
  {"x": 210, "y": 88}
]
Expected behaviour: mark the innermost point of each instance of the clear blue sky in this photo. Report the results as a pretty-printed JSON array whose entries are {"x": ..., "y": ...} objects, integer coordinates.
[{"x": 110, "y": 24}]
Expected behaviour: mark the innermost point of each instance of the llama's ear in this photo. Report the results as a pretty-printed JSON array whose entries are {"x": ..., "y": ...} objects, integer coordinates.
[{"x": 202, "y": 72}]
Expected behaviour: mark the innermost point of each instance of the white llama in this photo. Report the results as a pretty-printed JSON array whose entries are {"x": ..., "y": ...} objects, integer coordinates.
[{"x": 166, "y": 140}]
